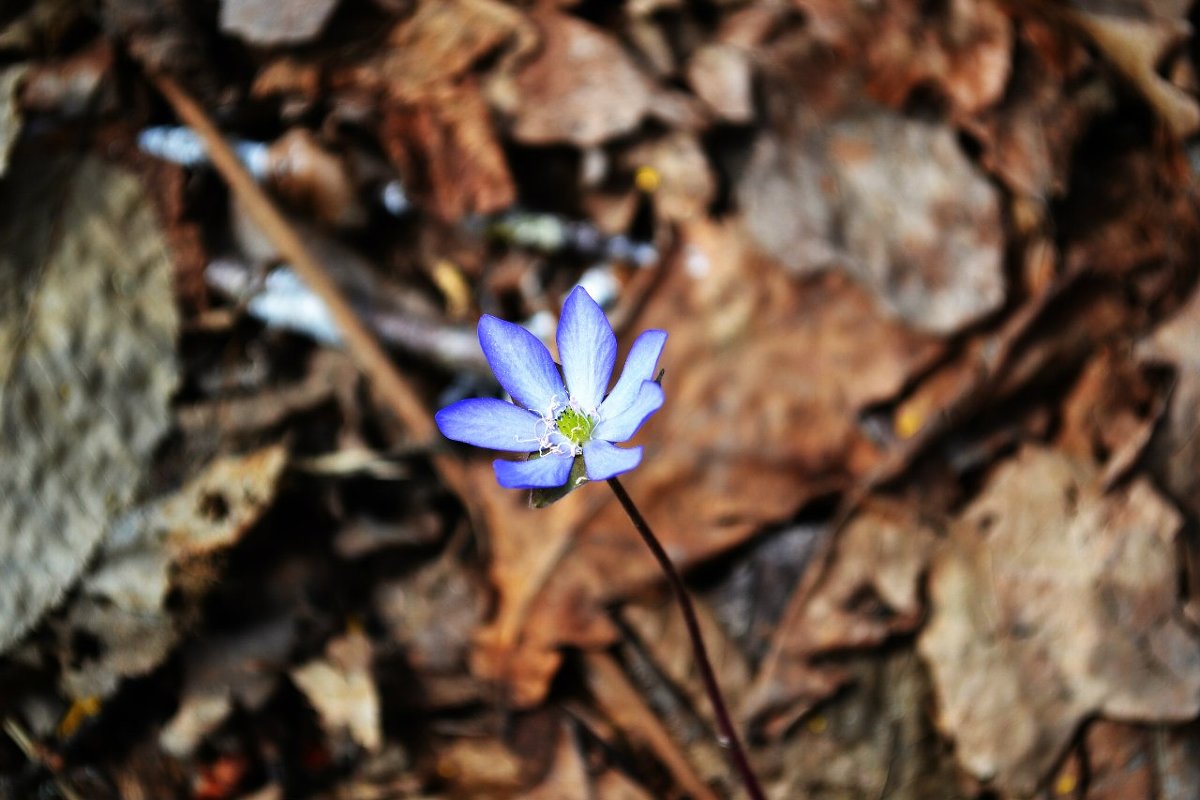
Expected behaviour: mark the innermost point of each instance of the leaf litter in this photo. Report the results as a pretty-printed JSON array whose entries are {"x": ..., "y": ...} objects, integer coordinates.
[{"x": 927, "y": 457}]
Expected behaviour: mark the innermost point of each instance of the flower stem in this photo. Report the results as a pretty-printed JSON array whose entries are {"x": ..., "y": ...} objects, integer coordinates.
[{"x": 729, "y": 737}]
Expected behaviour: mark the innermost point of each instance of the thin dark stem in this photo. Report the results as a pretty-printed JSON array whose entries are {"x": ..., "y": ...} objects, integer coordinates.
[{"x": 729, "y": 736}]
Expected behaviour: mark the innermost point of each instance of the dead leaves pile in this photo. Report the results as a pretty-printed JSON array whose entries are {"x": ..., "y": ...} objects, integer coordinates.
[{"x": 929, "y": 451}]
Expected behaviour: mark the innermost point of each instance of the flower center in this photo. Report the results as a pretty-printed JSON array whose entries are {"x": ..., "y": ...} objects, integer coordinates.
[{"x": 576, "y": 426}]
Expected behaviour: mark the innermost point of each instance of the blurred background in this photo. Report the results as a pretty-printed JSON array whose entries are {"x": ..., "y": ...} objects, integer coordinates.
[{"x": 929, "y": 455}]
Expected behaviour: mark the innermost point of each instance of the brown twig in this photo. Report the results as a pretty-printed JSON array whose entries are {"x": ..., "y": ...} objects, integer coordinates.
[
  {"x": 362, "y": 346},
  {"x": 728, "y": 732}
]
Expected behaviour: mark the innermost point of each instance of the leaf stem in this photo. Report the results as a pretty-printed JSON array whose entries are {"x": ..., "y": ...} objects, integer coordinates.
[{"x": 729, "y": 737}]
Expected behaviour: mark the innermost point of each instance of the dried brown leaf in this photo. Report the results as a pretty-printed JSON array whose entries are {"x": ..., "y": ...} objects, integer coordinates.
[
  {"x": 1134, "y": 44},
  {"x": 448, "y": 153},
  {"x": 568, "y": 777},
  {"x": 892, "y": 201},
  {"x": 685, "y": 185},
  {"x": 156, "y": 551},
  {"x": 241, "y": 667},
  {"x": 581, "y": 88},
  {"x": 1028, "y": 138},
  {"x": 1175, "y": 450},
  {"x": 960, "y": 49},
  {"x": 432, "y": 49},
  {"x": 1050, "y": 603},
  {"x": 315, "y": 180},
  {"x": 873, "y": 741},
  {"x": 73, "y": 87},
  {"x": 869, "y": 592},
  {"x": 271, "y": 23},
  {"x": 342, "y": 690},
  {"x": 721, "y": 75}
]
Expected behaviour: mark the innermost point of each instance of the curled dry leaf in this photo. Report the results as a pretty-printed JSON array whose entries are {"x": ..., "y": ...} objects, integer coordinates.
[
  {"x": 342, "y": 690},
  {"x": 155, "y": 551},
  {"x": 1111, "y": 414},
  {"x": 314, "y": 179},
  {"x": 1134, "y": 44},
  {"x": 83, "y": 396},
  {"x": 1047, "y": 599},
  {"x": 581, "y": 88},
  {"x": 892, "y": 201}
]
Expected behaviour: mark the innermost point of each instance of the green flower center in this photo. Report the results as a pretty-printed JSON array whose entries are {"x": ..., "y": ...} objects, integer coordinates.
[{"x": 577, "y": 427}]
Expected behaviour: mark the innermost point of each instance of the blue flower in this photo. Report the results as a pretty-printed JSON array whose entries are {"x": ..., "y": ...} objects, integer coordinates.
[{"x": 555, "y": 420}]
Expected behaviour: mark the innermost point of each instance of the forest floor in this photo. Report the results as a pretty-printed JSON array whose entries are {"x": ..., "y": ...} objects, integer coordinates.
[{"x": 928, "y": 457}]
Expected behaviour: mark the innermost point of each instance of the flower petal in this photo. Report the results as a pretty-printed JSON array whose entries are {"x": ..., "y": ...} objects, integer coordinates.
[
  {"x": 522, "y": 364},
  {"x": 488, "y": 422},
  {"x": 587, "y": 347},
  {"x": 624, "y": 425},
  {"x": 639, "y": 367},
  {"x": 547, "y": 472},
  {"x": 604, "y": 460}
]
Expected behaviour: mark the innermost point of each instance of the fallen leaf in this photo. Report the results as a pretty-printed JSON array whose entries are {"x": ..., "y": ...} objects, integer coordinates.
[
  {"x": 568, "y": 777},
  {"x": 684, "y": 184},
  {"x": 1175, "y": 449},
  {"x": 158, "y": 551},
  {"x": 433, "y": 615},
  {"x": 721, "y": 75},
  {"x": 481, "y": 768},
  {"x": 581, "y": 88},
  {"x": 83, "y": 397},
  {"x": 315, "y": 180},
  {"x": 874, "y": 740},
  {"x": 436, "y": 46},
  {"x": 448, "y": 153},
  {"x": 342, "y": 690},
  {"x": 1134, "y": 43},
  {"x": 271, "y": 23},
  {"x": 1027, "y": 139},
  {"x": 1120, "y": 764},
  {"x": 1110, "y": 414},
  {"x": 960, "y": 50},
  {"x": 614, "y": 785},
  {"x": 1048, "y": 597},
  {"x": 241, "y": 667},
  {"x": 662, "y": 637},
  {"x": 869, "y": 593},
  {"x": 963, "y": 50},
  {"x": 825, "y": 197}
]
